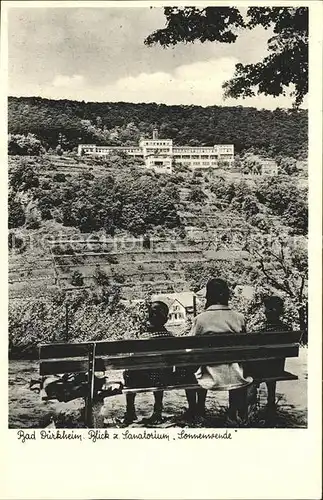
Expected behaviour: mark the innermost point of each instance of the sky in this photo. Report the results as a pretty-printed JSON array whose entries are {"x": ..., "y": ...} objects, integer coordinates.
[{"x": 98, "y": 54}]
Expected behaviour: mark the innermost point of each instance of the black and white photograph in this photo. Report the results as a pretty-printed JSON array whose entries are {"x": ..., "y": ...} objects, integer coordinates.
[{"x": 158, "y": 217}]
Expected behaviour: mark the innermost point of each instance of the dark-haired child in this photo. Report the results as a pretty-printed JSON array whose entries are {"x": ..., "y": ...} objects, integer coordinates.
[
  {"x": 274, "y": 309},
  {"x": 219, "y": 318},
  {"x": 157, "y": 318}
]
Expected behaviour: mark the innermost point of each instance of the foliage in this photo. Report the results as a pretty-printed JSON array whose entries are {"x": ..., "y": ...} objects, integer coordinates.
[
  {"x": 16, "y": 243},
  {"x": 59, "y": 151},
  {"x": 77, "y": 279},
  {"x": 287, "y": 59},
  {"x": 197, "y": 195},
  {"x": 16, "y": 213},
  {"x": 23, "y": 177},
  {"x": 250, "y": 165},
  {"x": 146, "y": 243},
  {"x": 274, "y": 266},
  {"x": 285, "y": 199},
  {"x": 24, "y": 144},
  {"x": 282, "y": 266},
  {"x": 276, "y": 196},
  {"x": 190, "y": 24},
  {"x": 124, "y": 198},
  {"x": 59, "y": 177},
  {"x": 287, "y": 166},
  {"x": 33, "y": 216},
  {"x": 42, "y": 320},
  {"x": 275, "y": 132}
]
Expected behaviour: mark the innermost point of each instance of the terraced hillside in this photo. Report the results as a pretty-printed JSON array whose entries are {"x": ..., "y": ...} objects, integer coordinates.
[
  {"x": 137, "y": 270},
  {"x": 210, "y": 227},
  {"x": 45, "y": 266}
]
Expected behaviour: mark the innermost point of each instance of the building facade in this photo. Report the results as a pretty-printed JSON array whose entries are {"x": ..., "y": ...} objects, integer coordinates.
[
  {"x": 180, "y": 306},
  {"x": 269, "y": 167},
  {"x": 161, "y": 154}
]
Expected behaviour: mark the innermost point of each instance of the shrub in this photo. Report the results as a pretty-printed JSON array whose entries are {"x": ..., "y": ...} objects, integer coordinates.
[
  {"x": 77, "y": 279},
  {"x": 24, "y": 177},
  {"x": 88, "y": 176},
  {"x": 33, "y": 216},
  {"x": 16, "y": 214},
  {"x": 197, "y": 195},
  {"x": 46, "y": 185},
  {"x": 59, "y": 177},
  {"x": 46, "y": 214},
  {"x": 24, "y": 145},
  {"x": 16, "y": 243}
]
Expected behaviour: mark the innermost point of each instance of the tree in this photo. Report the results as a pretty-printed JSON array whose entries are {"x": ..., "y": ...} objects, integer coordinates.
[
  {"x": 16, "y": 243},
  {"x": 16, "y": 214},
  {"x": 288, "y": 166},
  {"x": 146, "y": 243},
  {"x": 33, "y": 215},
  {"x": 282, "y": 267},
  {"x": 286, "y": 199},
  {"x": 190, "y": 24},
  {"x": 59, "y": 177},
  {"x": 24, "y": 145},
  {"x": 280, "y": 131},
  {"x": 59, "y": 150},
  {"x": 251, "y": 164},
  {"x": 23, "y": 177},
  {"x": 196, "y": 195},
  {"x": 77, "y": 279},
  {"x": 287, "y": 59}
]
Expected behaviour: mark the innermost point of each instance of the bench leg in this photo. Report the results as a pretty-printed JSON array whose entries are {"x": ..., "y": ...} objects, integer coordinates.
[
  {"x": 271, "y": 394},
  {"x": 90, "y": 388}
]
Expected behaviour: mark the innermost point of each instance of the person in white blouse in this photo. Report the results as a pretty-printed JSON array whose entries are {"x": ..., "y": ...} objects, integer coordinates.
[{"x": 219, "y": 318}]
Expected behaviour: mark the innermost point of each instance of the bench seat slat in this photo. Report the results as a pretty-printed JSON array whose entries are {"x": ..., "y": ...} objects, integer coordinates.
[
  {"x": 278, "y": 378},
  {"x": 162, "y": 360},
  {"x": 281, "y": 377},
  {"x": 61, "y": 351}
]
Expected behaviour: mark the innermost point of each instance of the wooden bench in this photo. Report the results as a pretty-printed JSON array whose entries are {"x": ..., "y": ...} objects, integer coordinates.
[{"x": 91, "y": 357}]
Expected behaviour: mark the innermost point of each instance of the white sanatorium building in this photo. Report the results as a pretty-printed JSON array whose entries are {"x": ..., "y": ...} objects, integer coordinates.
[{"x": 159, "y": 154}]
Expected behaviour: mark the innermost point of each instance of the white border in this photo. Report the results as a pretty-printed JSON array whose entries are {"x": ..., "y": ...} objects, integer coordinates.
[{"x": 264, "y": 464}]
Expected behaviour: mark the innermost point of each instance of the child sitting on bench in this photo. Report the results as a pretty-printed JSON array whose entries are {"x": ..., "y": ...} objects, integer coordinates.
[
  {"x": 274, "y": 309},
  {"x": 157, "y": 317},
  {"x": 218, "y": 318}
]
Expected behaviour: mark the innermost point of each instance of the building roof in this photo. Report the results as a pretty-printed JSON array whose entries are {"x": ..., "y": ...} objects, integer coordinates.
[
  {"x": 184, "y": 298},
  {"x": 202, "y": 292}
]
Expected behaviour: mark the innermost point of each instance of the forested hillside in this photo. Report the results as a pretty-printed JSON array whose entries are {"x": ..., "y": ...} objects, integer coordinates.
[{"x": 279, "y": 132}]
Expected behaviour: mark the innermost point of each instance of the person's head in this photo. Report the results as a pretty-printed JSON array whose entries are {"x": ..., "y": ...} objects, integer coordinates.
[
  {"x": 158, "y": 313},
  {"x": 274, "y": 307},
  {"x": 217, "y": 292}
]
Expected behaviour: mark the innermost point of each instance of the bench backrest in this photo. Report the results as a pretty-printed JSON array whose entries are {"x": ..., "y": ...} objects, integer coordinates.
[{"x": 165, "y": 352}]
